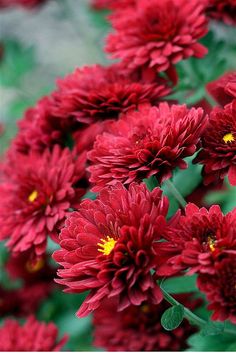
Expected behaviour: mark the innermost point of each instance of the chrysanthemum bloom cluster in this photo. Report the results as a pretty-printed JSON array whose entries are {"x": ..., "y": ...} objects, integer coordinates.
[
  {"x": 32, "y": 336},
  {"x": 151, "y": 141},
  {"x": 219, "y": 145},
  {"x": 108, "y": 247},
  {"x": 224, "y": 10},
  {"x": 89, "y": 95},
  {"x": 37, "y": 197},
  {"x": 138, "y": 328},
  {"x": 223, "y": 90},
  {"x": 157, "y": 34},
  {"x": 204, "y": 242}
]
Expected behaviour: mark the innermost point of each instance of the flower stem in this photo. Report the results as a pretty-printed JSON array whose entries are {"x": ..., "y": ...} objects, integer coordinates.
[
  {"x": 210, "y": 99},
  {"x": 189, "y": 315},
  {"x": 177, "y": 195}
]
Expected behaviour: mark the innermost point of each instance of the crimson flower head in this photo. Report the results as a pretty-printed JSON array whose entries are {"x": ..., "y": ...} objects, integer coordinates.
[
  {"x": 98, "y": 93},
  {"x": 138, "y": 328},
  {"x": 36, "y": 193},
  {"x": 32, "y": 336},
  {"x": 218, "y": 154},
  {"x": 30, "y": 271},
  {"x": 223, "y": 90},
  {"x": 152, "y": 141},
  {"x": 39, "y": 129},
  {"x": 197, "y": 240},
  {"x": 224, "y": 10},
  {"x": 108, "y": 247},
  {"x": 220, "y": 288},
  {"x": 157, "y": 34}
]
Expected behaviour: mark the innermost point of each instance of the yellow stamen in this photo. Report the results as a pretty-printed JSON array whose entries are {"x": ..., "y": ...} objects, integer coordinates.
[
  {"x": 145, "y": 308},
  {"x": 228, "y": 137},
  {"x": 34, "y": 267},
  {"x": 211, "y": 243},
  {"x": 107, "y": 245},
  {"x": 33, "y": 196}
]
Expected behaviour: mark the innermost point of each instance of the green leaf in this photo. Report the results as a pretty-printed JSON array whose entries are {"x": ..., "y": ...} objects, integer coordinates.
[
  {"x": 231, "y": 347},
  {"x": 217, "y": 343},
  {"x": 212, "y": 328},
  {"x": 172, "y": 317}
]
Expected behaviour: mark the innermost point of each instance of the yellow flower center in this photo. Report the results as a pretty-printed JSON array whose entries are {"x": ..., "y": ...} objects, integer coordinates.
[
  {"x": 211, "y": 243},
  {"x": 32, "y": 267},
  {"x": 145, "y": 308},
  {"x": 107, "y": 245},
  {"x": 33, "y": 196},
  {"x": 228, "y": 137}
]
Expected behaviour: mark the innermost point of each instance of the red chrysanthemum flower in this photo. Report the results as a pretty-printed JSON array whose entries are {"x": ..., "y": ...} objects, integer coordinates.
[
  {"x": 36, "y": 194},
  {"x": 223, "y": 90},
  {"x": 219, "y": 146},
  {"x": 39, "y": 129},
  {"x": 220, "y": 288},
  {"x": 25, "y": 300},
  {"x": 152, "y": 141},
  {"x": 157, "y": 34},
  {"x": 98, "y": 93},
  {"x": 108, "y": 247},
  {"x": 21, "y": 266},
  {"x": 138, "y": 328},
  {"x": 224, "y": 10},
  {"x": 33, "y": 336},
  {"x": 197, "y": 239}
]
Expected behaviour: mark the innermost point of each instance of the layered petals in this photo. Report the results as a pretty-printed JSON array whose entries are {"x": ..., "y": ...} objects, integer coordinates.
[
  {"x": 138, "y": 328},
  {"x": 37, "y": 191},
  {"x": 151, "y": 141},
  {"x": 197, "y": 239},
  {"x": 157, "y": 34},
  {"x": 218, "y": 154},
  {"x": 107, "y": 247},
  {"x": 32, "y": 336}
]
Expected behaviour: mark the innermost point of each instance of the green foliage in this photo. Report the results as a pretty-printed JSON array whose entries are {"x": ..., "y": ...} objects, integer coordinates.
[
  {"x": 212, "y": 328},
  {"x": 219, "y": 343},
  {"x": 16, "y": 62},
  {"x": 172, "y": 317},
  {"x": 178, "y": 285},
  {"x": 60, "y": 308},
  {"x": 194, "y": 74}
]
